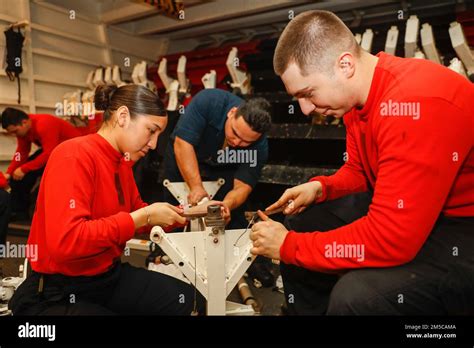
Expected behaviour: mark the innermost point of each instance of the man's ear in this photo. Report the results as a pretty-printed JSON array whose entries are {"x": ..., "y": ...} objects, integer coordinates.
[
  {"x": 232, "y": 112},
  {"x": 123, "y": 116},
  {"x": 346, "y": 64}
]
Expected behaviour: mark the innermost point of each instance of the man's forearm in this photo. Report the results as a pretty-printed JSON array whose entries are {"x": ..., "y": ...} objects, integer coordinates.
[
  {"x": 14, "y": 164},
  {"x": 187, "y": 162},
  {"x": 236, "y": 197}
]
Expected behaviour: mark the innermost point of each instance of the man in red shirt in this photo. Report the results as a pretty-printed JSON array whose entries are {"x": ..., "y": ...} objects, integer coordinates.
[
  {"x": 45, "y": 131},
  {"x": 398, "y": 217}
]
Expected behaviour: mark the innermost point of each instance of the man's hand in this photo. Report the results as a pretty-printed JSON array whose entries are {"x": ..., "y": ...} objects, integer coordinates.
[
  {"x": 267, "y": 237},
  {"x": 197, "y": 193},
  {"x": 301, "y": 196},
  {"x": 235, "y": 198},
  {"x": 18, "y": 174},
  {"x": 7, "y": 176},
  {"x": 225, "y": 212}
]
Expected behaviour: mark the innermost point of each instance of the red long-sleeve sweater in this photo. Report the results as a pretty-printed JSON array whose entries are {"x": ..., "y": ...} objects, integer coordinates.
[
  {"x": 3, "y": 181},
  {"x": 47, "y": 131},
  {"x": 82, "y": 220},
  {"x": 419, "y": 164}
]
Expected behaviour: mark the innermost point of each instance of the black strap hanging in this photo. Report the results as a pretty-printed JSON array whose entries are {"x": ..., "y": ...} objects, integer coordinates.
[{"x": 14, "y": 40}]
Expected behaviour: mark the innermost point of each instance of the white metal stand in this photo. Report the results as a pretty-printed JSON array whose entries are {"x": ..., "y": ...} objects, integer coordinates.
[
  {"x": 213, "y": 260},
  {"x": 207, "y": 256}
]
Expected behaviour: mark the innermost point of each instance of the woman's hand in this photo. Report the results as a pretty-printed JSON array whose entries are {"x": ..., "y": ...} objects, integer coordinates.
[
  {"x": 161, "y": 214},
  {"x": 165, "y": 214}
]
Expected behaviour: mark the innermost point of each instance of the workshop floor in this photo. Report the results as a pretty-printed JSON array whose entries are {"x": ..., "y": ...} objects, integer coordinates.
[{"x": 270, "y": 298}]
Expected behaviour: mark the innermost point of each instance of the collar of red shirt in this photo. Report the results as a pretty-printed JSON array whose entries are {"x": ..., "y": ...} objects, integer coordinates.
[
  {"x": 369, "y": 104},
  {"x": 105, "y": 147}
]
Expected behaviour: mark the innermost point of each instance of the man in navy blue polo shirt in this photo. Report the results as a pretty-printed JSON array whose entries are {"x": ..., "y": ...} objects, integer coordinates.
[{"x": 220, "y": 136}]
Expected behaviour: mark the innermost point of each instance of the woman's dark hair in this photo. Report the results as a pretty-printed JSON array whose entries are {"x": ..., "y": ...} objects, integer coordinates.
[
  {"x": 256, "y": 112},
  {"x": 138, "y": 99},
  {"x": 13, "y": 117}
]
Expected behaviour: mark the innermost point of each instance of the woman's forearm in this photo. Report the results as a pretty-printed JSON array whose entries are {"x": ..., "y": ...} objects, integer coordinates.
[{"x": 140, "y": 217}]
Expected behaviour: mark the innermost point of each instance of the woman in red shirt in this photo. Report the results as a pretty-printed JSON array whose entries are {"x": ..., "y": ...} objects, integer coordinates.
[{"x": 88, "y": 207}]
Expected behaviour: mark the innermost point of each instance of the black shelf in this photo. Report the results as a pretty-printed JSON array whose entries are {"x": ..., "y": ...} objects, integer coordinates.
[
  {"x": 306, "y": 131},
  {"x": 291, "y": 175}
]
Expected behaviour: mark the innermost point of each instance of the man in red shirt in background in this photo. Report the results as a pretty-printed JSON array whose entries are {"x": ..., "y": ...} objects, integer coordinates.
[
  {"x": 46, "y": 131},
  {"x": 392, "y": 232}
]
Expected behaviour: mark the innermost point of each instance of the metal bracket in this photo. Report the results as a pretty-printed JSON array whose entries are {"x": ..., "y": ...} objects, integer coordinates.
[{"x": 180, "y": 190}]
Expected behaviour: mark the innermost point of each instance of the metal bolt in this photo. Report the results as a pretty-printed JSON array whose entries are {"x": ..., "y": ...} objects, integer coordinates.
[
  {"x": 214, "y": 211},
  {"x": 216, "y": 240}
]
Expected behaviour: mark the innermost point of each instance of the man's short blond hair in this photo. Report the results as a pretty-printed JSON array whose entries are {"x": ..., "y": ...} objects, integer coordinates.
[{"x": 313, "y": 40}]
